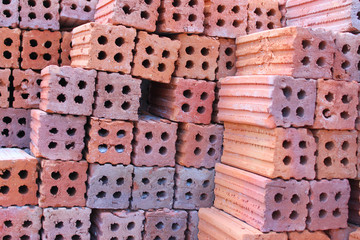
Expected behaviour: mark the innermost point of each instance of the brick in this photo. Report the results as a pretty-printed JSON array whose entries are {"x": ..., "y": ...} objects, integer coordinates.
[
  {"x": 62, "y": 183},
  {"x": 342, "y": 233},
  {"x": 154, "y": 142},
  {"x": 282, "y": 8},
  {"x": 65, "y": 47},
  {"x": 339, "y": 16},
  {"x": 227, "y": 58},
  {"x": 74, "y": 13},
  {"x": 39, "y": 15},
  {"x": 155, "y": 57},
  {"x": 215, "y": 113},
  {"x": 18, "y": 178},
  {"x": 138, "y": 14},
  {"x": 354, "y": 202},
  {"x": 215, "y": 224},
  {"x": 26, "y": 88},
  {"x": 117, "y": 96},
  {"x": 199, "y": 145},
  {"x": 117, "y": 224},
  {"x": 66, "y": 223},
  {"x": 328, "y": 207},
  {"x": 109, "y": 186},
  {"x": 57, "y": 136},
  {"x": 194, "y": 188},
  {"x": 305, "y": 235},
  {"x": 355, "y": 235},
  {"x": 225, "y": 18},
  {"x": 153, "y": 187},
  {"x": 103, "y": 47},
  {"x": 4, "y": 87},
  {"x": 263, "y": 15},
  {"x": 165, "y": 224},
  {"x": 183, "y": 100},
  {"x": 336, "y": 154},
  {"x": 67, "y": 90},
  {"x": 268, "y": 205},
  {"x": 267, "y": 101},
  {"x": 15, "y": 127},
  {"x": 20, "y": 222},
  {"x": 181, "y": 16},
  {"x": 336, "y": 103},
  {"x": 40, "y": 48},
  {"x": 9, "y": 16},
  {"x": 280, "y": 152},
  {"x": 109, "y": 141},
  {"x": 9, "y": 45},
  {"x": 192, "y": 226},
  {"x": 290, "y": 51},
  {"x": 197, "y": 57}
]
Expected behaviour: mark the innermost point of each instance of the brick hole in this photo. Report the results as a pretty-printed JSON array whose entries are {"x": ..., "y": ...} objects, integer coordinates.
[
  {"x": 103, "y": 132},
  {"x": 32, "y": 15},
  {"x": 120, "y": 134},
  {"x": 114, "y": 227},
  {"x": 73, "y": 176},
  {"x": 104, "y": 180},
  {"x": 161, "y": 67},
  {"x": 189, "y": 50},
  {"x": 161, "y": 181},
  {"x": 160, "y": 225},
  {"x": 336, "y": 212},
  {"x": 220, "y": 8},
  {"x": 345, "y": 49},
  {"x": 322, "y": 213},
  {"x": 59, "y": 225},
  {"x": 197, "y": 151},
  {"x": 109, "y": 88},
  {"x": 52, "y": 145},
  {"x": 54, "y": 190},
  {"x": 102, "y": 148},
  {"x": 114, "y": 238},
  {"x": 206, "y": 183},
  {"x": 146, "y": 63},
  {"x": 235, "y": 9},
  {"x": 321, "y": 62},
  {"x": 285, "y": 111},
  {"x": 203, "y": 196},
  {"x": 302, "y": 144},
  {"x": 300, "y": 112},
  {"x": 295, "y": 199},
  {"x": 165, "y": 54},
  {"x": 278, "y": 197},
  {"x": 7, "y": 13},
  {"x": 301, "y": 94},
  {"x": 5, "y": 132},
  {"x": 23, "y": 174},
  {"x": 189, "y": 64},
  {"x": 303, "y": 159},
  {"x": 287, "y": 91},
  {"x": 62, "y": 82},
  {"x": 211, "y": 152},
  {"x": 120, "y": 181},
  {"x": 33, "y": 56},
  {"x": 305, "y": 61},
  {"x": 24, "y": 237},
  {"x": 126, "y": 9},
  {"x": 176, "y": 17},
  {"x": 344, "y": 161},
  {"x": 205, "y": 66},
  {"x": 192, "y": 3},
  {"x": 144, "y": 195},
  {"x": 149, "y": 50},
  {"x": 70, "y": 146},
  {"x": 7, "y": 120},
  {"x": 305, "y": 43},
  {"x": 53, "y": 130},
  {"x": 198, "y": 137},
  {"x": 8, "y": 223},
  {"x": 101, "y": 55},
  {"x": 185, "y": 107},
  {"x": 337, "y": 196},
  {"x": 323, "y": 197},
  {"x": 212, "y": 138},
  {"x": 165, "y": 136},
  {"x": 286, "y": 144},
  {"x": 258, "y": 11},
  {"x": 149, "y": 135},
  {"x": 192, "y": 17},
  {"x": 148, "y": 149},
  {"x": 276, "y": 215},
  {"x": 6, "y": 2},
  {"x": 20, "y": 134},
  {"x": 46, "y": 3},
  {"x": 175, "y": 226},
  {"x": 201, "y": 109},
  {"x": 189, "y": 181},
  {"x": 119, "y": 148},
  {"x": 176, "y": 3},
  {"x": 101, "y": 194},
  {"x": 118, "y": 57},
  {"x": 7, "y": 54},
  {"x": 204, "y": 96},
  {"x": 287, "y": 160},
  {"x": 220, "y": 22},
  {"x": 117, "y": 195},
  {"x": 56, "y": 175},
  {"x": 87, "y": 9},
  {"x": 47, "y": 57},
  {"x": 59, "y": 237},
  {"x": 294, "y": 215},
  {"x": 8, "y": 42},
  {"x": 322, "y": 45},
  {"x": 79, "y": 99},
  {"x": 270, "y": 25},
  {"x": 271, "y": 12},
  {"x": 73, "y": 6},
  {"x": 4, "y": 189},
  {"x": 346, "y": 99},
  {"x": 345, "y": 65},
  {"x": 161, "y": 195},
  {"x": 47, "y": 44},
  {"x": 130, "y": 226},
  {"x": 48, "y": 16},
  {"x": 24, "y": 95},
  {"x": 205, "y": 51},
  {"x": 145, "y": 181},
  {"x": 328, "y": 161},
  {"x": 258, "y": 24},
  {"x": 187, "y": 93},
  {"x": 108, "y": 104},
  {"x": 345, "y": 145},
  {"x": 188, "y": 195},
  {"x": 344, "y": 115}
]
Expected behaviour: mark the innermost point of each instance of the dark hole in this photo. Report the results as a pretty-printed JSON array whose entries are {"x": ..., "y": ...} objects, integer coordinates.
[
  {"x": 144, "y": 14},
  {"x": 23, "y": 174},
  {"x": 109, "y": 88},
  {"x": 54, "y": 190},
  {"x": 125, "y": 105},
  {"x": 33, "y": 56},
  {"x": 73, "y": 176},
  {"x": 55, "y": 175},
  {"x": 61, "y": 98},
  {"x": 47, "y": 44},
  {"x": 118, "y": 57},
  {"x": 52, "y": 145}
]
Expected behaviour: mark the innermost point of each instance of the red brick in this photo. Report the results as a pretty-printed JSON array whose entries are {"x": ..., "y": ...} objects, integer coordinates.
[
  {"x": 74, "y": 12},
  {"x": 62, "y": 183},
  {"x": 103, "y": 47},
  {"x": 117, "y": 96},
  {"x": 14, "y": 127},
  {"x": 165, "y": 224},
  {"x": 9, "y": 16},
  {"x": 39, "y": 15},
  {"x": 199, "y": 145},
  {"x": 227, "y": 58},
  {"x": 4, "y": 87},
  {"x": 65, "y": 47},
  {"x": 67, "y": 90},
  {"x": 354, "y": 202},
  {"x": 153, "y": 188},
  {"x": 197, "y": 57},
  {"x": 117, "y": 224},
  {"x": 66, "y": 223},
  {"x": 9, "y": 45},
  {"x": 26, "y": 88},
  {"x": 183, "y": 100},
  {"x": 154, "y": 143},
  {"x": 40, "y": 49},
  {"x": 109, "y": 141},
  {"x": 155, "y": 57},
  {"x": 336, "y": 103},
  {"x": 225, "y": 18},
  {"x": 192, "y": 226},
  {"x": 328, "y": 204},
  {"x": 20, "y": 223},
  {"x": 305, "y": 235},
  {"x": 18, "y": 178},
  {"x": 181, "y": 16},
  {"x": 263, "y": 15},
  {"x": 57, "y": 136},
  {"x": 134, "y": 13}
]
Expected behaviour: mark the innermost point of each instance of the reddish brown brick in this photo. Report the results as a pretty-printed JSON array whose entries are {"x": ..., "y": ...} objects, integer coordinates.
[
  {"x": 9, "y": 15},
  {"x": 263, "y": 15},
  {"x": 154, "y": 143},
  {"x": 192, "y": 226},
  {"x": 4, "y": 87},
  {"x": 9, "y": 45},
  {"x": 227, "y": 58},
  {"x": 117, "y": 96},
  {"x": 40, "y": 49},
  {"x": 76, "y": 12},
  {"x": 26, "y": 88},
  {"x": 57, "y": 136},
  {"x": 65, "y": 47},
  {"x": 354, "y": 202},
  {"x": 342, "y": 233},
  {"x": 18, "y": 178},
  {"x": 305, "y": 235}
]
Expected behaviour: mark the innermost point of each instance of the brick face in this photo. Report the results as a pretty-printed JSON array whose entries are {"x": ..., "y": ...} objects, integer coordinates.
[
  {"x": 9, "y": 45},
  {"x": 9, "y": 15},
  {"x": 65, "y": 47},
  {"x": 4, "y": 87},
  {"x": 263, "y": 15},
  {"x": 226, "y": 61},
  {"x": 74, "y": 13}
]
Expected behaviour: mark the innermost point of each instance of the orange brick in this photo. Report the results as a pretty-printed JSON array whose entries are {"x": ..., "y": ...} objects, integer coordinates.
[
  {"x": 305, "y": 235},
  {"x": 9, "y": 45},
  {"x": 263, "y": 15},
  {"x": 4, "y": 87},
  {"x": 65, "y": 47}
]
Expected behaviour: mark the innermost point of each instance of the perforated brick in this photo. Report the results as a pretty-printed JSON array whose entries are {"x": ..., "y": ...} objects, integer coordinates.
[
  {"x": 155, "y": 57},
  {"x": 36, "y": 14},
  {"x": 117, "y": 224},
  {"x": 109, "y": 186},
  {"x": 103, "y": 47},
  {"x": 66, "y": 223},
  {"x": 57, "y": 136},
  {"x": 4, "y": 87},
  {"x": 192, "y": 226},
  {"x": 10, "y": 47},
  {"x": 117, "y": 96},
  {"x": 225, "y": 18},
  {"x": 263, "y": 15},
  {"x": 26, "y": 88},
  {"x": 62, "y": 183},
  {"x": 154, "y": 143},
  {"x": 153, "y": 187},
  {"x": 74, "y": 12},
  {"x": 9, "y": 15},
  {"x": 165, "y": 224},
  {"x": 109, "y": 141},
  {"x": 65, "y": 47},
  {"x": 134, "y": 13},
  {"x": 181, "y": 16},
  {"x": 14, "y": 127},
  {"x": 199, "y": 145},
  {"x": 20, "y": 223},
  {"x": 336, "y": 103},
  {"x": 40, "y": 49},
  {"x": 227, "y": 58},
  {"x": 328, "y": 207},
  {"x": 183, "y": 100},
  {"x": 197, "y": 57},
  {"x": 18, "y": 174}
]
